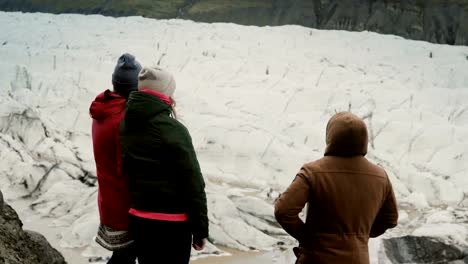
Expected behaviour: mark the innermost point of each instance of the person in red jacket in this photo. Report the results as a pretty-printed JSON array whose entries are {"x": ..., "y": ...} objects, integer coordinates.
[{"x": 107, "y": 110}]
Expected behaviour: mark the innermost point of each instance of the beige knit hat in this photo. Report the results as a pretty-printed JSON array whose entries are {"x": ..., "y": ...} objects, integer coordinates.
[{"x": 157, "y": 80}]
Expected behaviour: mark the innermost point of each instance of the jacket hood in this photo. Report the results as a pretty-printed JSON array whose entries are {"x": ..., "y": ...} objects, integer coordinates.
[
  {"x": 346, "y": 135},
  {"x": 143, "y": 106},
  {"x": 106, "y": 104}
]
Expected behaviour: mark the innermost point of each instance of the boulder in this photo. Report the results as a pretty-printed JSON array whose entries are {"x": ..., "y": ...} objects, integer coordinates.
[
  {"x": 420, "y": 249},
  {"x": 18, "y": 246}
]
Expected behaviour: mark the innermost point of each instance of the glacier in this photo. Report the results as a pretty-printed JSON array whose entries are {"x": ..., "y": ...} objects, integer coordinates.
[{"x": 256, "y": 101}]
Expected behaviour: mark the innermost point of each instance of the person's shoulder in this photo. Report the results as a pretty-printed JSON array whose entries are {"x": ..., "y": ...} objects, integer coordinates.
[
  {"x": 173, "y": 124},
  {"x": 173, "y": 130},
  {"x": 107, "y": 95},
  {"x": 314, "y": 166},
  {"x": 179, "y": 125},
  {"x": 317, "y": 163},
  {"x": 375, "y": 168}
]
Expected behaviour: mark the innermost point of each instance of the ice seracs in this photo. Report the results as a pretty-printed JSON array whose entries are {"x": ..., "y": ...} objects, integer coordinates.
[{"x": 252, "y": 129}]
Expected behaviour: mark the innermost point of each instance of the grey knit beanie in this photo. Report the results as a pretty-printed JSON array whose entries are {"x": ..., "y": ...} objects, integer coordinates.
[
  {"x": 157, "y": 80},
  {"x": 125, "y": 76}
]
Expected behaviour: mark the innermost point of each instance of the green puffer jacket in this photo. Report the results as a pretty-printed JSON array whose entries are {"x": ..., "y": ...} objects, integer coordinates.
[{"x": 159, "y": 157}]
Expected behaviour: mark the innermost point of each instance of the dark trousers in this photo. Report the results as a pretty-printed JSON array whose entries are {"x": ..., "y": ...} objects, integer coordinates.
[
  {"x": 123, "y": 256},
  {"x": 160, "y": 242}
]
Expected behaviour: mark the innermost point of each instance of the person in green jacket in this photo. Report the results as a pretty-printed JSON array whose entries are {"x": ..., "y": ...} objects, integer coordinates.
[{"x": 168, "y": 211}]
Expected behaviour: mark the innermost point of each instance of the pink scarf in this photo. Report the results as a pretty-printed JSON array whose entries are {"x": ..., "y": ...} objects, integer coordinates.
[{"x": 161, "y": 96}]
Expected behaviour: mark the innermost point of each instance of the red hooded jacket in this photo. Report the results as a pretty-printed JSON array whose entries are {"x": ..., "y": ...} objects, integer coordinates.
[{"x": 107, "y": 110}]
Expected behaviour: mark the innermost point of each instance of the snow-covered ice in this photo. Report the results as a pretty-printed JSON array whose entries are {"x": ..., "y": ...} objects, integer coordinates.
[{"x": 256, "y": 101}]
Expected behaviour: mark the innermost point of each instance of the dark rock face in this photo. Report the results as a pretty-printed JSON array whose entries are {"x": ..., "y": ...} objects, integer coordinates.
[
  {"x": 411, "y": 249},
  {"x": 1, "y": 203},
  {"x": 18, "y": 246},
  {"x": 431, "y": 20}
]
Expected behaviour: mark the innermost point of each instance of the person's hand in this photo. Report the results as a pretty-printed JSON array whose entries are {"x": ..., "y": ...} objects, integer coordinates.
[{"x": 199, "y": 244}]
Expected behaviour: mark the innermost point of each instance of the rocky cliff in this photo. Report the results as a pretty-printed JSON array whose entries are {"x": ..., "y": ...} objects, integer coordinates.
[
  {"x": 438, "y": 21},
  {"x": 18, "y": 246}
]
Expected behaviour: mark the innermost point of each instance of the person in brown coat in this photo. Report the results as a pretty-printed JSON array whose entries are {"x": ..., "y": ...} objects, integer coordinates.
[{"x": 349, "y": 199}]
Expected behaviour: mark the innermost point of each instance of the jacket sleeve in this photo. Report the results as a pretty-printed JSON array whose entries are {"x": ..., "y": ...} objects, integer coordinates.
[
  {"x": 194, "y": 184},
  {"x": 290, "y": 204},
  {"x": 388, "y": 214},
  {"x": 120, "y": 171}
]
